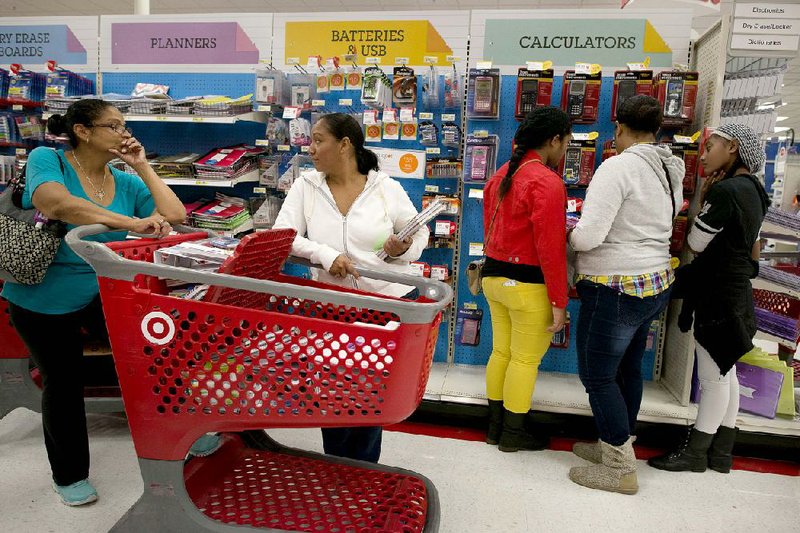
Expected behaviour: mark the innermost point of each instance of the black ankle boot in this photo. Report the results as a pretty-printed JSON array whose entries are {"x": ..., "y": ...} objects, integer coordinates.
[
  {"x": 720, "y": 455},
  {"x": 692, "y": 456},
  {"x": 515, "y": 438},
  {"x": 495, "y": 421}
]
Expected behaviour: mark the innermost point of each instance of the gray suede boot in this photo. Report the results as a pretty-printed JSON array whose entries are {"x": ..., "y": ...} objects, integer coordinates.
[
  {"x": 590, "y": 451},
  {"x": 615, "y": 473}
]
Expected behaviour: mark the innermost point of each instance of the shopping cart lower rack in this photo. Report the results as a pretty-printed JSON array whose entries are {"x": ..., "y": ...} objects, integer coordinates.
[{"x": 263, "y": 351}]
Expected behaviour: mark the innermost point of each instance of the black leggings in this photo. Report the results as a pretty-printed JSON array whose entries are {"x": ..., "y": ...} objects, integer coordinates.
[{"x": 55, "y": 343}]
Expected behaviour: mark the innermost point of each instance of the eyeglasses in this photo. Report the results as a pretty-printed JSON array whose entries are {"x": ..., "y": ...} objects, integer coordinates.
[{"x": 119, "y": 129}]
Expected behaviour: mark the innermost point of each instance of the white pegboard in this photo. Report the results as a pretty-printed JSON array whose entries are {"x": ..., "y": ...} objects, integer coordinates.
[{"x": 708, "y": 57}]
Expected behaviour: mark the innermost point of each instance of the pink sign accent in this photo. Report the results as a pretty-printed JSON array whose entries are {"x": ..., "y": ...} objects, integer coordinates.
[{"x": 180, "y": 43}]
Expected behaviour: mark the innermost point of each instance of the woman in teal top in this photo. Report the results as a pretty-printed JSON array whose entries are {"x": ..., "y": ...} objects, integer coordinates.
[{"x": 78, "y": 187}]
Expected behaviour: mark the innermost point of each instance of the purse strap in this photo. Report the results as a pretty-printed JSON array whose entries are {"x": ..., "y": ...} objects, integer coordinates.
[
  {"x": 491, "y": 224},
  {"x": 671, "y": 190}
]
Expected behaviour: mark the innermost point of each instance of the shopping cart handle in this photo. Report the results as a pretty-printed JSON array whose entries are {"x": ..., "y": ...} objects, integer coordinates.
[
  {"x": 431, "y": 289},
  {"x": 110, "y": 265}
]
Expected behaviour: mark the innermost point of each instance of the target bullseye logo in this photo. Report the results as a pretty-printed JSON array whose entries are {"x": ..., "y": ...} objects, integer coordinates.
[{"x": 158, "y": 327}]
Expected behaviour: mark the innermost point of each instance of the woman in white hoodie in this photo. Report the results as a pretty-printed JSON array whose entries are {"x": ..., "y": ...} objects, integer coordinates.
[
  {"x": 624, "y": 279},
  {"x": 345, "y": 212}
]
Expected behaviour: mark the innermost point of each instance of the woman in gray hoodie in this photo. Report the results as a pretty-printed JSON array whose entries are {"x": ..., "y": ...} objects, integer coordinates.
[{"x": 623, "y": 280}]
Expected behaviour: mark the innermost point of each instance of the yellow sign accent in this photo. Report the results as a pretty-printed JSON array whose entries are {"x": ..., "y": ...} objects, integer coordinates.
[
  {"x": 696, "y": 136},
  {"x": 414, "y": 39},
  {"x": 653, "y": 43}
]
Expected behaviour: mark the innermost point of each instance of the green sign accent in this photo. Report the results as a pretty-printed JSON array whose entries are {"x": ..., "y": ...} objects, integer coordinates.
[{"x": 566, "y": 42}]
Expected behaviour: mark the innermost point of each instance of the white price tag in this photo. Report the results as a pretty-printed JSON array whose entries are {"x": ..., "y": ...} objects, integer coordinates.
[
  {"x": 453, "y": 59},
  {"x": 484, "y": 64},
  {"x": 260, "y": 190},
  {"x": 572, "y": 206},
  {"x": 442, "y": 228},
  {"x": 439, "y": 273},
  {"x": 431, "y": 60},
  {"x": 292, "y": 61},
  {"x": 284, "y": 148},
  {"x": 304, "y": 149},
  {"x": 198, "y": 119},
  {"x": 475, "y": 249},
  {"x": 345, "y": 101},
  {"x": 17, "y": 107},
  {"x": 264, "y": 108},
  {"x": 449, "y": 117},
  {"x": 476, "y": 193},
  {"x": 21, "y": 151},
  {"x": 390, "y": 115},
  {"x": 401, "y": 61},
  {"x": 481, "y": 134},
  {"x": 431, "y": 188},
  {"x": 318, "y": 103},
  {"x": 313, "y": 62},
  {"x": 406, "y": 114},
  {"x": 262, "y": 142},
  {"x": 426, "y": 116},
  {"x": 472, "y": 306},
  {"x": 291, "y": 112},
  {"x": 161, "y": 119},
  {"x": 373, "y": 61},
  {"x": 370, "y": 117},
  {"x": 433, "y": 150},
  {"x": 535, "y": 65},
  {"x": 583, "y": 68}
]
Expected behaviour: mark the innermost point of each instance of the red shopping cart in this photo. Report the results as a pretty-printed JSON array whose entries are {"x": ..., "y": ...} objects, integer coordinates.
[
  {"x": 263, "y": 353},
  {"x": 20, "y": 382}
]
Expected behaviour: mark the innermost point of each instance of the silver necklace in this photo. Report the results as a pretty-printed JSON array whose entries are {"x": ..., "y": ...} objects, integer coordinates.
[{"x": 101, "y": 192}]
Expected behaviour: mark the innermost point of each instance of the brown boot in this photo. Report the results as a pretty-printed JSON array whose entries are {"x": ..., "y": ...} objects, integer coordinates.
[
  {"x": 590, "y": 451},
  {"x": 615, "y": 473}
]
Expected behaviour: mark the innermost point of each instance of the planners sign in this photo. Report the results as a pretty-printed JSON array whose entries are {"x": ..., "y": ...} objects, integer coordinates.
[
  {"x": 412, "y": 40},
  {"x": 569, "y": 41},
  {"x": 39, "y": 44},
  {"x": 181, "y": 43}
]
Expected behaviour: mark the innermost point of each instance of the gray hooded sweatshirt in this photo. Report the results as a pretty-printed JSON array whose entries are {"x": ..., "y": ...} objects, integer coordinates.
[{"x": 626, "y": 223}]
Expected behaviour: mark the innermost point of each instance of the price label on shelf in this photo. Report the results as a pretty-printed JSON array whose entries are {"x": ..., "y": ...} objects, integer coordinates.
[
  {"x": 304, "y": 149},
  {"x": 481, "y": 133},
  {"x": 292, "y": 61},
  {"x": 262, "y": 142},
  {"x": 284, "y": 148},
  {"x": 197, "y": 119},
  {"x": 264, "y": 108},
  {"x": 449, "y": 117},
  {"x": 472, "y": 306},
  {"x": 401, "y": 61},
  {"x": 260, "y": 190},
  {"x": 484, "y": 64},
  {"x": 453, "y": 59},
  {"x": 372, "y": 60},
  {"x": 431, "y": 60},
  {"x": 291, "y": 112},
  {"x": 431, "y": 188},
  {"x": 318, "y": 103},
  {"x": 345, "y": 101},
  {"x": 161, "y": 119},
  {"x": 475, "y": 249},
  {"x": 21, "y": 151},
  {"x": 426, "y": 116},
  {"x": 389, "y": 115},
  {"x": 313, "y": 62},
  {"x": 433, "y": 150},
  {"x": 406, "y": 114},
  {"x": 17, "y": 107},
  {"x": 476, "y": 193},
  {"x": 370, "y": 117},
  {"x": 350, "y": 58}
]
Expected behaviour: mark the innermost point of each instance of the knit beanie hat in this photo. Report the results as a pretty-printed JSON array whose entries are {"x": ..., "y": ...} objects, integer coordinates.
[{"x": 751, "y": 149}]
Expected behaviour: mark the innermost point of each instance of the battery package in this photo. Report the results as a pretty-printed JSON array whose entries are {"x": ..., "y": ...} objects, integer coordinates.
[
  {"x": 483, "y": 93},
  {"x": 468, "y": 326},
  {"x": 577, "y": 166},
  {"x": 688, "y": 149},
  {"x": 404, "y": 87},
  {"x": 677, "y": 93},
  {"x": 534, "y": 89},
  {"x": 629, "y": 83},
  {"x": 580, "y": 96}
]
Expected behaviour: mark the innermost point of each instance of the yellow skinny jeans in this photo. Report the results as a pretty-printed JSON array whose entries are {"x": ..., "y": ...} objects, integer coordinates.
[{"x": 521, "y": 314}]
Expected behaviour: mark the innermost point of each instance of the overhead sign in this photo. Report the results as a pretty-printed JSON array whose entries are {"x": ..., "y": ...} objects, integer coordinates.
[
  {"x": 777, "y": 43},
  {"x": 569, "y": 41},
  {"x": 766, "y": 28},
  {"x": 413, "y": 40},
  {"x": 179, "y": 43},
  {"x": 39, "y": 44},
  {"x": 767, "y": 10}
]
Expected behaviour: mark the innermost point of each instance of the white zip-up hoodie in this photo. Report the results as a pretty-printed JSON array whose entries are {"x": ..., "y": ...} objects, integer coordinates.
[{"x": 323, "y": 233}]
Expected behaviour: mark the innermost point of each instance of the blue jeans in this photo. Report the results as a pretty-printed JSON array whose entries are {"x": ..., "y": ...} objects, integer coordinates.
[
  {"x": 611, "y": 340},
  {"x": 362, "y": 443}
]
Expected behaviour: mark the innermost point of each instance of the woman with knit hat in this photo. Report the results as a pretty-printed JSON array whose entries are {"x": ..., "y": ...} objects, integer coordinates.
[{"x": 716, "y": 287}]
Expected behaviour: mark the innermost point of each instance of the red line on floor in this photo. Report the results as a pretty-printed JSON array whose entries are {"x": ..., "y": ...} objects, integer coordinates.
[{"x": 749, "y": 464}]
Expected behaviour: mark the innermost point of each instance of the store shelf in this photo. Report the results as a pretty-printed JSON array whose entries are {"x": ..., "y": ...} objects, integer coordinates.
[
  {"x": 770, "y": 230},
  {"x": 759, "y": 424},
  {"x": 556, "y": 393},
  {"x": 251, "y": 176},
  {"x": 761, "y": 283},
  {"x": 780, "y": 340},
  {"x": 254, "y": 116}
]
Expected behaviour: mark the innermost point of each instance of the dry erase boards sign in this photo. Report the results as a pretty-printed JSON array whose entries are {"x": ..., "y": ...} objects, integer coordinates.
[
  {"x": 69, "y": 41},
  {"x": 401, "y": 163},
  {"x": 412, "y": 40}
]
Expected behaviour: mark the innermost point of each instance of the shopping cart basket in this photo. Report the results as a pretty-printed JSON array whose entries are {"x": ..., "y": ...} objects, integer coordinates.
[
  {"x": 20, "y": 384},
  {"x": 266, "y": 353}
]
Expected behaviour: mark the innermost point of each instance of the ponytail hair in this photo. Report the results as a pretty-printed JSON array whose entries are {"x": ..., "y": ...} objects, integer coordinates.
[
  {"x": 342, "y": 125},
  {"x": 537, "y": 129}
]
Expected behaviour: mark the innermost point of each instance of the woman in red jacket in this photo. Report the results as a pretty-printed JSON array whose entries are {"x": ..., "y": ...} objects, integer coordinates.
[{"x": 525, "y": 275}]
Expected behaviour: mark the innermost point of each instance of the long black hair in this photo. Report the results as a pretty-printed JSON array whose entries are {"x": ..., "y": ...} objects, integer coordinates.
[
  {"x": 537, "y": 128},
  {"x": 81, "y": 112},
  {"x": 342, "y": 125}
]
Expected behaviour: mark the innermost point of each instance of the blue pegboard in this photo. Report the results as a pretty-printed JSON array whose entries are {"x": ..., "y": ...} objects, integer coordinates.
[{"x": 556, "y": 359}]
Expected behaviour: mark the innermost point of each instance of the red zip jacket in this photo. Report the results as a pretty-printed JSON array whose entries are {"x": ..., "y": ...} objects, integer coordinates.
[{"x": 531, "y": 224}]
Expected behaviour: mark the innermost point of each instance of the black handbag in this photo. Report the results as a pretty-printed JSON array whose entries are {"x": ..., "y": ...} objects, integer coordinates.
[{"x": 25, "y": 250}]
